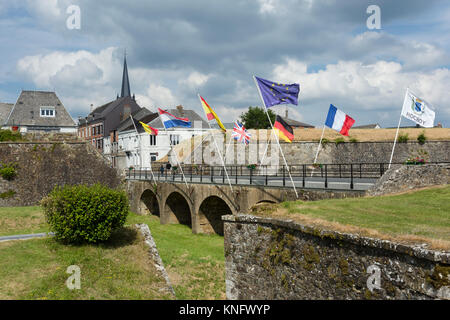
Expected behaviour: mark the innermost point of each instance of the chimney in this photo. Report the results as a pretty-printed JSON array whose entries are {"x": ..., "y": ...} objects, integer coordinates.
[
  {"x": 286, "y": 113},
  {"x": 180, "y": 110},
  {"x": 92, "y": 107}
]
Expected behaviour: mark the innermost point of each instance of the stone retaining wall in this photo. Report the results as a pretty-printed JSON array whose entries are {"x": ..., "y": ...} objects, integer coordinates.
[
  {"x": 275, "y": 259},
  {"x": 347, "y": 152},
  {"x": 408, "y": 177},
  {"x": 43, "y": 165}
]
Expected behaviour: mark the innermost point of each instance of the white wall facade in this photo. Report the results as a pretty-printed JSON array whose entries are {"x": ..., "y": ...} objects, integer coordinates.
[{"x": 141, "y": 149}]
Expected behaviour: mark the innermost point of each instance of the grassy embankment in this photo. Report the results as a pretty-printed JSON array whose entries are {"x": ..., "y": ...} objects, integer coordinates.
[
  {"x": 119, "y": 269},
  {"x": 421, "y": 216}
]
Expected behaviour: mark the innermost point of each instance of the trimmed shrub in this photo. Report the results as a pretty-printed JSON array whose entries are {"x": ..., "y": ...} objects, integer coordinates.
[{"x": 81, "y": 213}]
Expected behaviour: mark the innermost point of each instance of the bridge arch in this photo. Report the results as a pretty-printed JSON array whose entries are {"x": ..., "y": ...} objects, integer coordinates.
[
  {"x": 176, "y": 209},
  {"x": 149, "y": 204},
  {"x": 210, "y": 214}
]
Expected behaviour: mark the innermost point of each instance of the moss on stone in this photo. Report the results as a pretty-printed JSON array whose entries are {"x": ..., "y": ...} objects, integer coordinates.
[
  {"x": 440, "y": 276},
  {"x": 343, "y": 265}
]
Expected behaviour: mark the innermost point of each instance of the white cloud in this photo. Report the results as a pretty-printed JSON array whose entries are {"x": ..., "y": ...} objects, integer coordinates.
[
  {"x": 64, "y": 67},
  {"x": 195, "y": 80},
  {"x": 157, "y": 96},
  {"x": 367, "y": 86}
]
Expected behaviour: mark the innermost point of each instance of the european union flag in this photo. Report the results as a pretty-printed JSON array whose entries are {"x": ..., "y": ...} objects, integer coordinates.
[{"x": 275, "y": 93}]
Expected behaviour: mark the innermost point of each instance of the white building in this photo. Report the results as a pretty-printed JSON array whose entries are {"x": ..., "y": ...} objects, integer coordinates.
[{"x": 139, "y": 149}]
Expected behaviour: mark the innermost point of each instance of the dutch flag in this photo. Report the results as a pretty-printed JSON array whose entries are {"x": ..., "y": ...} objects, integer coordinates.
[
  {"x": 339, "y": 121},
  {"x": 169, "y": 120}
]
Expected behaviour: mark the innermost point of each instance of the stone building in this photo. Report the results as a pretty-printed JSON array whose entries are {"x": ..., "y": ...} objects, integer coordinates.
[{"x": 38, "y": 111}]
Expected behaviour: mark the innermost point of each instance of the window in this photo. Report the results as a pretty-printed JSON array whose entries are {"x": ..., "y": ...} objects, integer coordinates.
[
  {"x": 48, "y": 112},
  {"x": 174, "y": 139},
  {"x": 152, "y": 140}
]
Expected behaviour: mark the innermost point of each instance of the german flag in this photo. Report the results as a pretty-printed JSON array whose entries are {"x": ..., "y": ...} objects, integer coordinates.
[{"x": 283, "y": 130}]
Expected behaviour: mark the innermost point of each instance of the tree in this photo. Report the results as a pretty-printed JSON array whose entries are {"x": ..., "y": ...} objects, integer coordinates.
[{"x": 256, "y": 118}]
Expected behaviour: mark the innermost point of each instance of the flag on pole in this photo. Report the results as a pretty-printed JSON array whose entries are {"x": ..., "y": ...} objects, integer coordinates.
[
  {"x": 275, "y": 93},
  {"x": 339, "y": 121},
  {"x": 415, "y": 109},
  {"x": 210, "y": 114},
  {"x": 149, "y": 129},
  {"x": 240, "y": 133},
  {"x": 283, "y": 130},
  {"x": 169, "y": 120}
]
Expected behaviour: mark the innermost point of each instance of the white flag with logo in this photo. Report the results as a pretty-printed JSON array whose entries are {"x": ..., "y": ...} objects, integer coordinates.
[{"x": 415, "y": 109}]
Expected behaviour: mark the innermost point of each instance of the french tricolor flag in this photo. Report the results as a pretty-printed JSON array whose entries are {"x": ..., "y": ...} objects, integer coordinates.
[
  {"x": 169, "y": 120},
  {"x": 339, "y": 121}
]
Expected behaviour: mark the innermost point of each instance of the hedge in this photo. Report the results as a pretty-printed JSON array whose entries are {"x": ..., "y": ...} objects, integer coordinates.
[{"x": 81, "y": 213}]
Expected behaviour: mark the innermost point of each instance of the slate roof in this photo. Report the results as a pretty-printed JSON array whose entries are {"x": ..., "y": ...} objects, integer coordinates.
[
  {"x": 26, "y": 111},
  {"x": 368, "y": 126},
  {"x": 143, "y": 115},
  {"x": 295, "y": 123},
  {"x": 5, "y": 110}
]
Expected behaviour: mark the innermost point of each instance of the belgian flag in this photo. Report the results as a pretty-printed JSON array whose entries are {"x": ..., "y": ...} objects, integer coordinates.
[{"x": 283, "y": 130}]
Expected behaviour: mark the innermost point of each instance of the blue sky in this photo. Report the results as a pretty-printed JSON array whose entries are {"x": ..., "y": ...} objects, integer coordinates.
[{"x": 177, "y": 49}]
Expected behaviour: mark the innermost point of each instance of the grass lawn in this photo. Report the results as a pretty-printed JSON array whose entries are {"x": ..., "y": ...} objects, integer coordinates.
[
  {"x": 195, "y": 263},
  {"x": 417, "y": 216},
  {"x": 117, "y": 269},
  {"x": 22, "y": 220}
]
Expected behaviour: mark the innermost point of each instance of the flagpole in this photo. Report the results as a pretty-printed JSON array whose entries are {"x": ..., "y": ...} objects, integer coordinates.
[
  {"x": 273, "y": 130},
  {"x": 318, "y": 149},
  {"x": 217, "y": 147},
  {"x": 176, "y": 157},
  {"x": 398, "y": 127}
]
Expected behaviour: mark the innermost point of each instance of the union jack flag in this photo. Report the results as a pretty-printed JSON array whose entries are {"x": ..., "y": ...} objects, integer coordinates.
[{"x": 240, "y": 133}]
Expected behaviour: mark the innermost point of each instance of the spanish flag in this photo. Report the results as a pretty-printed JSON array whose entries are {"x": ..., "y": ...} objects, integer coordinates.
[
  {"x": 210, "y": 114},
  {"x": 149, "y": 129},
  {"x": 283, "y": 130}
]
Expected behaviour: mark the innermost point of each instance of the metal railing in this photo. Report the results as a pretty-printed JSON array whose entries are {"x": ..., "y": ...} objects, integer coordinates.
[{"x": 302, "y": 174}]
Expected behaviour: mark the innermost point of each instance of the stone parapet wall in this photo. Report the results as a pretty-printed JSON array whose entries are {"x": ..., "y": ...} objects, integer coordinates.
[
  {"x": 43, "y": 165},
  {"x": 408, "y": 177},
  {"x": 280, "y": 259},
  {"x": 347, "y": 152}
]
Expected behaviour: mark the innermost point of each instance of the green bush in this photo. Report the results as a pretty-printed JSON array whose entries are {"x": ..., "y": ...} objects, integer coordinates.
[
  {"x": 353, "y": 140},
  {"x": 339, "y": 140},
  {"x": 403, "y": 138},
  {"x": 8, "y": 135},
  {"x": 422, "y": 138},
  {"x": 8, "y": 172},
  {"x": 81, "y": 213},
  {"x": 325, "y": 141}
]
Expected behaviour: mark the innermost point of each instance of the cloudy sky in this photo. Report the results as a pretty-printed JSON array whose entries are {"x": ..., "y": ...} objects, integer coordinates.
[{"x": 176, "y": 49}]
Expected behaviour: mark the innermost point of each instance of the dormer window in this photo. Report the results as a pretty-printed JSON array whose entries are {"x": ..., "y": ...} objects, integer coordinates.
[{"x": 48, "y": 112}]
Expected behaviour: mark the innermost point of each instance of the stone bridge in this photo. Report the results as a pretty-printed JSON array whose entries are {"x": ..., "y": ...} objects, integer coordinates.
[{"x": 201, "y": 206}]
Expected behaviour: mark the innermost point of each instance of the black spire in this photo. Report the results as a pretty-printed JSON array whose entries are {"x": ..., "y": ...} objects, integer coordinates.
[{"x": 125, "y": 81}]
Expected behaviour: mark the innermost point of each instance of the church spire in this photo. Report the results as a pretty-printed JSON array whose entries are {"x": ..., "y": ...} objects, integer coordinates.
[{"x": 125, "y": 81}]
